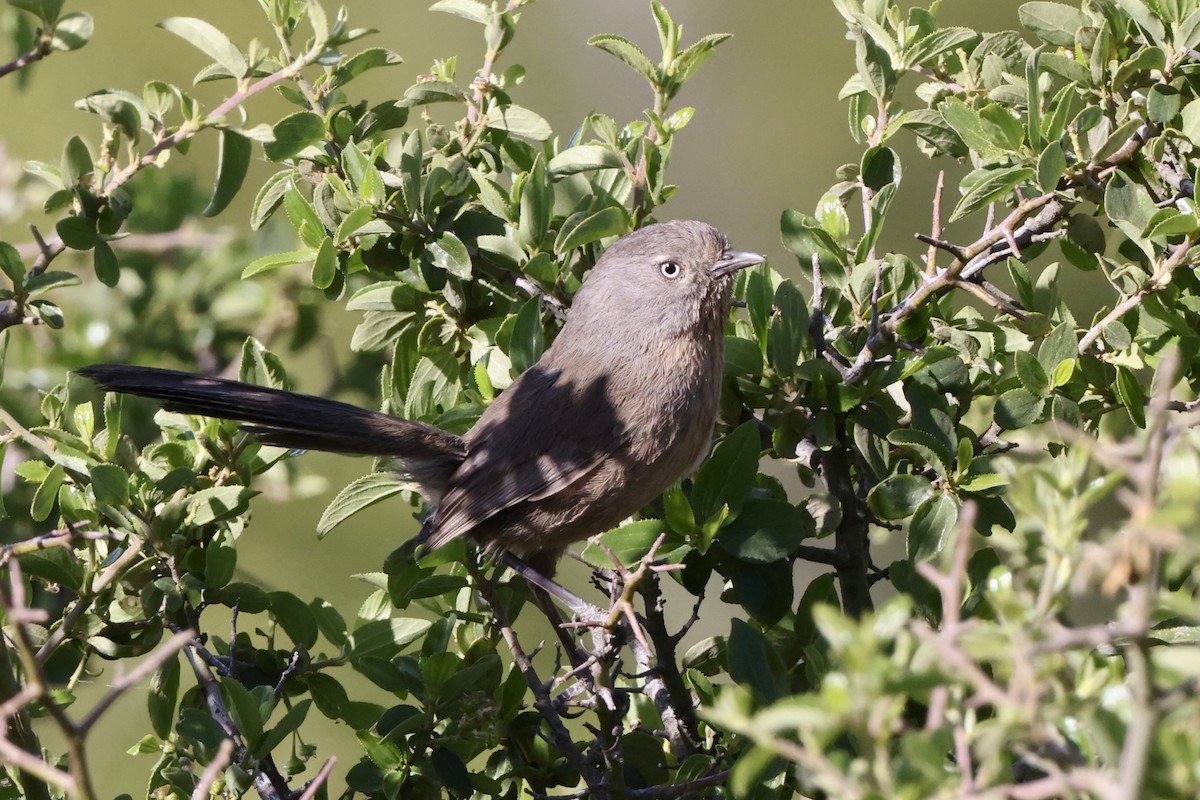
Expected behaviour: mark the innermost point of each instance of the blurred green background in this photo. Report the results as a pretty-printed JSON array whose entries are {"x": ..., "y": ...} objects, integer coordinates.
[{"x": 768, "y": 134}]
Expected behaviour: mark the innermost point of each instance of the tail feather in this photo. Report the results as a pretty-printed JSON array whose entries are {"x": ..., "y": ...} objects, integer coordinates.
[{"x": 297, "y": 421}]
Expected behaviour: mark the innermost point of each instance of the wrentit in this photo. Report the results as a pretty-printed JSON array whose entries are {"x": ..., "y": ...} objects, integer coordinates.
[{"x": 619, "y": 407}]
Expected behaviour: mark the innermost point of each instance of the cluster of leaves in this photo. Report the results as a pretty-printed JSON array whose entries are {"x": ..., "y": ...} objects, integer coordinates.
[
  {"x": 941, "y": 400},
  {"x": 921, "y": 377}
]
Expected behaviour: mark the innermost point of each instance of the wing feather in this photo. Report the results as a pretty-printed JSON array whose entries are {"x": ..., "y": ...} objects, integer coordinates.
[{"x": 514, "y": 454}]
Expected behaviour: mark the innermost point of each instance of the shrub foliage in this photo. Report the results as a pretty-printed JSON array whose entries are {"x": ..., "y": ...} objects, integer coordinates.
[{"x": 994, "y": 430}]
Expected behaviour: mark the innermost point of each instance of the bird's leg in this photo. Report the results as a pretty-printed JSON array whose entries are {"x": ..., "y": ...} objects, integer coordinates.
[
  {"x": 583, "y": 663},
  {"x": 578, "y": 607}
]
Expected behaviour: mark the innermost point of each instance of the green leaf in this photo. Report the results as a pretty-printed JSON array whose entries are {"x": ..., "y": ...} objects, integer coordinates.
[
  {"x": 994, "y": 185},
  {"x": 1017, "y": 408},
  {"x": 220, "y": 561},
  {"x": 1169, "y": 222},
  {"x": 386, "y": 637},
  {"x": 926, "y": 50},
  {"x": 630, "y": 543},
  {"x": 788, "y": 329},
  {"x": 77, "y": 233},
  {"x": 245, "y": 709},
  {"x": 1144, "y": 17},
  {"x": 1004, "y": 129},
  {"x": 352, "y": 222},
  {"x": 742, "y": 357},
  {"x": 44, "y": 497},
  {"x": 875, "y": 66},
  {"x": 765, "y": 530},
  {"x": 1052, "y": 165},
  {"x": 371, "y": 58},
  {"x": 1162, "y": 103},
  {"x": 922, "y": 447},
  {"x": 696, "y": 54},
  {"x": 303, "y": 217},
  {"x": 493, "y": 196},
  {"x": 11, "y": 264},
  {"x": 218, "y": 503},
  {"x": 753, "y": 662},
  {"x": 3, "y": 444},
  {"x": 679, "y": 516},
  {"x": 1187, "y": 34},
  {"x": 359, "y": 494},
  {"x": 210, "y": 41},
  {"x": 1131, "y": 395},
  {"x": 833, "y": 217},
  {"x": 56, "y": 565},
  {"x": 528, "y": 338},
  {"x": 1146, "y": 59},
  {"x": 104, "y": 261},
  {"x": 467, "y": 9},
  {"x": 112, "y": 422},
  {"x": 519, "y": 121},
  {"x": 248, "y": 598},
  {"x": 293, "y": 133},
  {"x": 286, "y": 726},
  {"x": 1191, "y": 121},
  {"x": 1053, "y": 23},
  {"x": 628, "y": 52},
  {"x": 1059, "y": 345},
  {"x": 451, "y": 771},
  {"x": 879, "y": 167},
  {"x": 804, "y": 237},
  {"x": 325, "y": 264},
  {"x": 233, "y": 161},
  {"x": 584, "y": 228},
  {"x": 382, "y": 753},
  {"x": 1033, "y": 99},
  {"x": 269, "y": 198},
  {"x": 163, "y": 694},
  {"x": 898, "y": 496},
  {"x": 46, "y": 281},
  {"x": 754, "y": 768},
  {"x": 76, "y": 161},
  {"x": 584, "y": 158},
  {"x": 110, "y": 484},
  {"x": 73, "y": 31},
  {"x": 277, "y": 260},
  {"x": 450, "y": 254},
  {"x": 295, "y": 617},
  {"x": 537, "y": 206},
  {"x": 931, "y": 526},
  {"x": 728, "y": 476},
  {"x": 1031, "y": 374},
  {"x": 969, "y": 125},
  {"x": 983, "y": 482},
  {"x": 427, "y": 92}
]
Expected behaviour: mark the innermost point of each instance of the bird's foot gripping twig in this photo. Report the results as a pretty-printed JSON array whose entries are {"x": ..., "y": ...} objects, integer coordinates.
[
  {"x": 623, "y": 588},
  {"x": 576, "y": 605}
]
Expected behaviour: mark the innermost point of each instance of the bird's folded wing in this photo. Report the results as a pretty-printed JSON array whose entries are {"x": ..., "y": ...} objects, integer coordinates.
[{"x": 541, "y": 436}]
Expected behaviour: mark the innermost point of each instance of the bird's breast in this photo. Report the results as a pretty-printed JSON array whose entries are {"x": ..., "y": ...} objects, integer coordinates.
[{"x": 668, "y": 402}]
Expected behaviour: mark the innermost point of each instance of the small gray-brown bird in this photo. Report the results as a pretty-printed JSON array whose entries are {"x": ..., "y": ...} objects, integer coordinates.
[{"x": 619, "y": 407}]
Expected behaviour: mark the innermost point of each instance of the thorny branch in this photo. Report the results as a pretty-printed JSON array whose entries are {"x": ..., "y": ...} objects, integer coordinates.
[
  {"x": 25, "y": 753},
  {"x": 1034, "y": 220}
]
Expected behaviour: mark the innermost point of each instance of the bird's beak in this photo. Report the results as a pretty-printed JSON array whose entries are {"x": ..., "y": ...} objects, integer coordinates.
[{"x": 733, "y": 260}]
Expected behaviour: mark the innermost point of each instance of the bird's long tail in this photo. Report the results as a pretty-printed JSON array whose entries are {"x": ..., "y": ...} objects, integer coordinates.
[{"x": 288, "y": 419}]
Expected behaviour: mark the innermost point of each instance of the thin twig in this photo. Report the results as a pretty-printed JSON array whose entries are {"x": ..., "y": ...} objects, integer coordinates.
[
  {"x": 123, "y": 683},
  {"x": 28, "y": 57},
  {"x": 213, "y": 771},
  {"x": 310, "y": 791}
]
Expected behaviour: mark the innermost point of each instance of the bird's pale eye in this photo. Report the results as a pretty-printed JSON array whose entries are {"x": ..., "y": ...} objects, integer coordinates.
[{"x": 670, "y": 269}]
